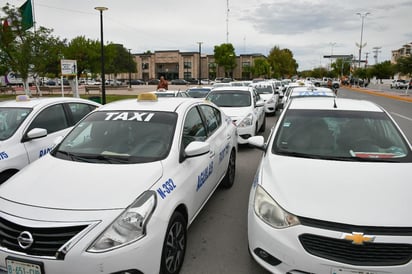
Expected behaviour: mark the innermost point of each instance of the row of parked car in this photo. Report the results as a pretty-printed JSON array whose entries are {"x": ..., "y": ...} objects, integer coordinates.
[
  {"x": 401, "y": 84},
  {"x": 141, "y": 170}
]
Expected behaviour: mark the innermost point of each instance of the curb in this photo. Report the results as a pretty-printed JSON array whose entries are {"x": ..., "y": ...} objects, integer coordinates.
[{"x": 405, "y": 97}]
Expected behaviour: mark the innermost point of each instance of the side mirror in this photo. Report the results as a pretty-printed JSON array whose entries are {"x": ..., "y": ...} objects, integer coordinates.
[
  {"x": 260, "y": 103},
  {"x": 197, "y": 148},
  {"x": 36, "y": 133},
  {"x": 257, "y": 142}
]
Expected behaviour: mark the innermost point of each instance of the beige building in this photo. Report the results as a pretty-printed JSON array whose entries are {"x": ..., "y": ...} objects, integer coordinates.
[
  {"x": 404, "y": 51},
  {"x": 174, "y": 64}
]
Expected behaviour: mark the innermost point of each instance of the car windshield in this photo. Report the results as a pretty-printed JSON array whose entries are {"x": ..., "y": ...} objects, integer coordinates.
[
  {"x": 10, "y": 120},
  {"x": 198, "y": 93},
  {"x": 120, "y": 138},
  {"x": 230, "y": 98},
  {"x": 340, "y": 135},
  {"x": 264, "y": 89}
]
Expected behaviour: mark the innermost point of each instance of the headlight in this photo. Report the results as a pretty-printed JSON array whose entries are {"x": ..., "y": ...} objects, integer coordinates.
[
  {"x": 247, "y": 121},
  {"x": 270, "y": 212},
  {"x": 129, "y": 226}
]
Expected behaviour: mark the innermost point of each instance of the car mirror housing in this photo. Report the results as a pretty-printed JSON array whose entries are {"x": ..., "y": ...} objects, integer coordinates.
[
  {"x": 36, "y": 133},
  {"x": 197, "y": 148}
]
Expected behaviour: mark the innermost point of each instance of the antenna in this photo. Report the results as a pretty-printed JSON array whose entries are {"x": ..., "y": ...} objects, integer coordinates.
[{"x": 227, "y": 22}]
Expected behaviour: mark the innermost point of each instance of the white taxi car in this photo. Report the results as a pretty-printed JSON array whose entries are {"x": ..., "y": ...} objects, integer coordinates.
[
  {"x": 332, "y": 192},
  {"x": 269, "y": 95},
  {"x": 119, "y": 192},
  {"x": 29, "y": 126},
  {"x": 244, "y": 105}
]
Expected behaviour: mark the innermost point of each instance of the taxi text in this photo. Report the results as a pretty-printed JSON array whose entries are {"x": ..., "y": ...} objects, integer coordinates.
[
  {"x": 166, "y": 188},
  {"x": 129, "y": 116},
  {"x": 204, "y": 175}
]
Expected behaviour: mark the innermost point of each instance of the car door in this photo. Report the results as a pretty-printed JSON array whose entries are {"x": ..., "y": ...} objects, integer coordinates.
[
  {"x": 53, "y": 119},
  {"x": 219, "y": 138},
  {"x": 259, "y": 108},
  {"x": 199, "y": 171}
]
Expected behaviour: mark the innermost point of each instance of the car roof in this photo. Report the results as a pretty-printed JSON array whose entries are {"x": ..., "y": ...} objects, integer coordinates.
[
  {"x": 233, "y": 88},
  {"x": 333, "y": 103},
  {"x": 161, "y": 104},
  {"x": 40, "y": 102}
]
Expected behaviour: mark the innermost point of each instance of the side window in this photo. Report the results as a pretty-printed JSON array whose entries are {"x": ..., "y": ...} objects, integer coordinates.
[
  {"x": 213, "y": 118},
  {"x": 193, "y": 129},
  {"x": 52, "y": 118},
  {"x": 79, "y": 110}
]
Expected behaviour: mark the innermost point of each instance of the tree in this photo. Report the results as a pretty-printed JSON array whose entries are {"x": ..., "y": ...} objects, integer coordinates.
[
  {"x": 282, "y": 63},
  {"x": 86, "y": 52},
  {"x": 261, "y": 68},
  {"x": 118, "y": 59},
  {"x": 225, "y": 56},
  {"x": 404, "y": 65},
  {"x": 383, "y": 70},
  {"x": 22, "y": 51},
  {"x": 341, "y": 67}
]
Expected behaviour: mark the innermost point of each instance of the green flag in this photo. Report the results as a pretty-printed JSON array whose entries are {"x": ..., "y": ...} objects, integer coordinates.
[{"x": 26, "y": 15}]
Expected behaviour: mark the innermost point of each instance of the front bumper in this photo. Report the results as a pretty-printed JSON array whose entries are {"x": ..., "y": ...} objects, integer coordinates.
[
  {"x": 280, "y": 250},
  {"x": 141, "y": 256}
]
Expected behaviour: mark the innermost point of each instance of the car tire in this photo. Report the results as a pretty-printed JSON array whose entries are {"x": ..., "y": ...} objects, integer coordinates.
[
  {"x": 174, "y": 245},
  {"x": 229, "y": 178}
]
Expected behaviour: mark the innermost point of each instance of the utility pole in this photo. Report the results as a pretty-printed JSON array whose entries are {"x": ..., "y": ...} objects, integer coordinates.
[
  {"x": 376, "y": 50},
  {"x": 200, "y": 62},
  {"x": 362, "y": 15}
]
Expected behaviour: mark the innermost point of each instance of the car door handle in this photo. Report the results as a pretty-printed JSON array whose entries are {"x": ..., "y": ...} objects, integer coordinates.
[{"x": 211, "y": 154}]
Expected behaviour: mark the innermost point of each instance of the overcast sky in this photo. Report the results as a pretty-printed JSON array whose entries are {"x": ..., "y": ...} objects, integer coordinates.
[{"x": 310, "y": 29}]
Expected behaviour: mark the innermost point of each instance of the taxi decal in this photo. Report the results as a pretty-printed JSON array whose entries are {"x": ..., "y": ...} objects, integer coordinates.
[
  {"x": 312, "y": 93},
  {"x": 204, "y": 175},
  {"x": 45, "y": 151},
  {"x": 129, "y": 116},
  {"x": 166, "y": 188},
  {"x": 223, "y": 153},
  {"x": 3, "y": 155}
]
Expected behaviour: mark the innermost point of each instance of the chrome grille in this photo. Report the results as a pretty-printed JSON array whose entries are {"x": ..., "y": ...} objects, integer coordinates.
[
  {"x": 46, "y": 241},
  {"x": 367, "y": 254}
]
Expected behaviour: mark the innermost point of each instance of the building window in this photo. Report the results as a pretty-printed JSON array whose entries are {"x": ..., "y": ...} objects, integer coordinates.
[
  {"x": 187, "y": 75},
  {"x": 145, "y": 65},
  {"x": 245, "y": 64},
  {"x": 187, "y": 65},
  {"x": 212, "y": 65}
]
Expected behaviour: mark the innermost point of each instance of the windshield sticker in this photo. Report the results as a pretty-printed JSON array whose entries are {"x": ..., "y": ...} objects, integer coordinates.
[
  {"x": 129, "y": 116},
  {"x": 166, "y": 188},
  {"x": 286, "y": 124},
  {"x": 3, "y": 155},
  {"x": 202, "y": 178}
]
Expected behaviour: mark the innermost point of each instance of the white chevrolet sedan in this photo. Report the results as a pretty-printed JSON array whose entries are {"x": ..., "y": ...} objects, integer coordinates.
[
  {"x": 333, "y": 191},
  {"x": 244, "y": 105},
  {"x": 29, "y": 126},
  {"x": 119, "y": 192}
]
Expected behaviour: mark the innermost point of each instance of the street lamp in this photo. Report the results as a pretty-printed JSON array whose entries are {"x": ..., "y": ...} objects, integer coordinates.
[
  {"x": 200, "y": 61},
  {"x": 101, "y": 9},
  {"x": 130, "y": 72},
  {"x": 362, "y": 15}
]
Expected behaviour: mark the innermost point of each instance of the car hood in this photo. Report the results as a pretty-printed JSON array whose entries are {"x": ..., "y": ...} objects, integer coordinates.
[
  {"x": 60, "y": 184},
  {"x": 236, "y": 113},
  {"x": 361, "y": 193}
]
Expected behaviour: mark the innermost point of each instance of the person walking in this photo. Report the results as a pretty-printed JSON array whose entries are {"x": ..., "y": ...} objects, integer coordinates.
[{"x": 163, "y": 84}]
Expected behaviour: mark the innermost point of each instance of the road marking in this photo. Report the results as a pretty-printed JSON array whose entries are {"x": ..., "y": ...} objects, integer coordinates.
[{"x": 399, "y": 115}]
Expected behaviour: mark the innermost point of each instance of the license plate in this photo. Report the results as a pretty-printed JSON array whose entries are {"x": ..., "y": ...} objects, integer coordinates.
[
  {"x": 15, "y": 266},
  {"x": 350, "y": 271}
]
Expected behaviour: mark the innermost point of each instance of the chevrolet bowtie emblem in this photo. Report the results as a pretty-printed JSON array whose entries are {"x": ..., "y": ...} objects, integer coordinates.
[{"x": 358, "y": 238}]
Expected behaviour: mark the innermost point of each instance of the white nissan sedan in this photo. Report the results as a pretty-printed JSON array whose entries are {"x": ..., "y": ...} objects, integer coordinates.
[
  {"x": 119, "y": 192},
  {"x": 244, "y": 105},
  {"x": 29, "y": 126},
  {"x": 333, "y": 191}
]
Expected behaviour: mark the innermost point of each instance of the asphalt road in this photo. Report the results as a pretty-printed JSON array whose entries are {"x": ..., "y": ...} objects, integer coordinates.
[{"x": 217, "y": 239}]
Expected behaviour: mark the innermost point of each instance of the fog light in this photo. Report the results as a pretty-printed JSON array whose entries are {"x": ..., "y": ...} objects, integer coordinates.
[{"x": 266, "y": 257}]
